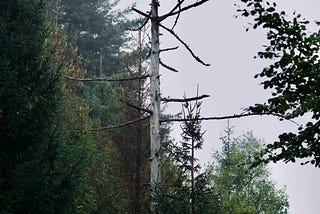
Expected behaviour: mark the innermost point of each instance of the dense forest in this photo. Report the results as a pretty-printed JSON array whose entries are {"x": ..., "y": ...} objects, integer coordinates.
[{"x": 75, "y": 109}]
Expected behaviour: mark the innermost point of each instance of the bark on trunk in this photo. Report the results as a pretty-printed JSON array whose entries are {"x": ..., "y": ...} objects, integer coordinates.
[{"x": 155, "y": 106}]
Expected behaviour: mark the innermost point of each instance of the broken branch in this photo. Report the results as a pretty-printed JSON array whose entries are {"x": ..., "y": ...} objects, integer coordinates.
[
  {"x": 184, "y": 99},
  {"x": 235, "y": 116},
  {"x": 169, "y": 49},
  {"x": 168, "y": 67},
  {"x": 141, "y": 13},
  {"x": 106, "y": 79},
  {"x": 121, "y": 125},
  {"x": 136, "y": 107}
]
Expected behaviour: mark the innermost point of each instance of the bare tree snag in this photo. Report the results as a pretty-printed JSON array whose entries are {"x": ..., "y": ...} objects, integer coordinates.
[
  {"x": 155, "y": 98},
  {"x": 155, "y": 106}
]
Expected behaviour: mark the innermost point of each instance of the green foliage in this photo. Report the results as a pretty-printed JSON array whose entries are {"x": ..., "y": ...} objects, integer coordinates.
[
  {"x": 44, "y": 139},
  {"x": 192, "y": 138},
  {"x": 185, "y": 189},
  {"x": 29, "y": 86},
  {"x": 97, "y": 25},
  {"x": 104, "y": 104},
  {"x": 293, "y": 77},
  {"x": 237, "y": 186},
  {"x": 229, "y": 185},
  {"x": 120, "y": 170},
  {"x": 30, "y": 94}
]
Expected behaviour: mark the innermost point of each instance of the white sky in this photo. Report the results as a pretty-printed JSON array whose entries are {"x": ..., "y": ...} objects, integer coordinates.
[{"x": 220, "y": 39}]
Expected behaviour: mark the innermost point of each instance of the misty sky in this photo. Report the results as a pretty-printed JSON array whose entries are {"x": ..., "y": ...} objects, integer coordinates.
[{"x": 221, "y": 40}]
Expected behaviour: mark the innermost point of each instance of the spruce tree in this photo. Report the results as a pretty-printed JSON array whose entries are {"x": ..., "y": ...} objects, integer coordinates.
[{"x": 39, "y": 162}]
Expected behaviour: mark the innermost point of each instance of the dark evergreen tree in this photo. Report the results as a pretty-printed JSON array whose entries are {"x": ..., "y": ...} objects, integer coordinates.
[
  {"x": 185, "y": 189},
  {"x": 41, "y": 151}
]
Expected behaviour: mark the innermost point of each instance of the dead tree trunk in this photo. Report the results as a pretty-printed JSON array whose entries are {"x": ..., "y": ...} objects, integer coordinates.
[
  {"x": 155, "y": 97},
  {"x": 155, "y": 105}
]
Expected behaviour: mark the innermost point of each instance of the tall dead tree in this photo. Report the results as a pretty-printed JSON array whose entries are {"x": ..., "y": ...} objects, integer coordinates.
[
  {"x": 155, "y": 97},
  {"x": 154, "y": 75}
]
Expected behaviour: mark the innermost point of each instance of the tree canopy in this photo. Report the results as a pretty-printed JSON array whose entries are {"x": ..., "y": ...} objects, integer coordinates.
[
  {"x": 293, "y": 77},
  {"x": 97, "y": 28},
  {"x": 240, "y": 188}
]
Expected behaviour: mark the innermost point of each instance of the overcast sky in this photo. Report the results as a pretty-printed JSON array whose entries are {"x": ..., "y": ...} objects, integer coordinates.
[{"x": 221, "y": 40}]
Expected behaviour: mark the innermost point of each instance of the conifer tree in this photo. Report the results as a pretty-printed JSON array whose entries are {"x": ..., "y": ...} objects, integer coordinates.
[
  {"x": 41, "y": 151},
  {"x": 99, "y": 30}
]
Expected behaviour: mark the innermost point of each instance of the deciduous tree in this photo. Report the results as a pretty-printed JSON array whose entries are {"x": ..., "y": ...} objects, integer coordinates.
[
  {"x": 293, "y": 77},
  {"x": 237, "y": 186}
]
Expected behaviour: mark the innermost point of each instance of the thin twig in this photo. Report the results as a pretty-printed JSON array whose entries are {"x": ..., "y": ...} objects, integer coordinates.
[
  {"x": 178, "y": 16},
  {"x": 184, "y": 44},
  {"x": 121, "y": 125},
  {"x": 178, "y": 5},
  {"x": 184, "y": 99},
  {"x": 107, "y": 79}
]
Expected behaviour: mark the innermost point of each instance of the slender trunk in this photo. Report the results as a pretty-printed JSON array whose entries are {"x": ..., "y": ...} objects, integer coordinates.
[
  {"x": 100, "y": 71},
  {"x": 193, "y": 208},
  {"x": 155, "y": 106},
  {"x": 137, "y": 199},
  {"x": 137, "y": 185}
]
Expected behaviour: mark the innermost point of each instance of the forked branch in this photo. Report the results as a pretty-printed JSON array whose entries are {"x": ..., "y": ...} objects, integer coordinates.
[
  {"x": 178, "y": 16},
  {"x": 175, "y": 12}
]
